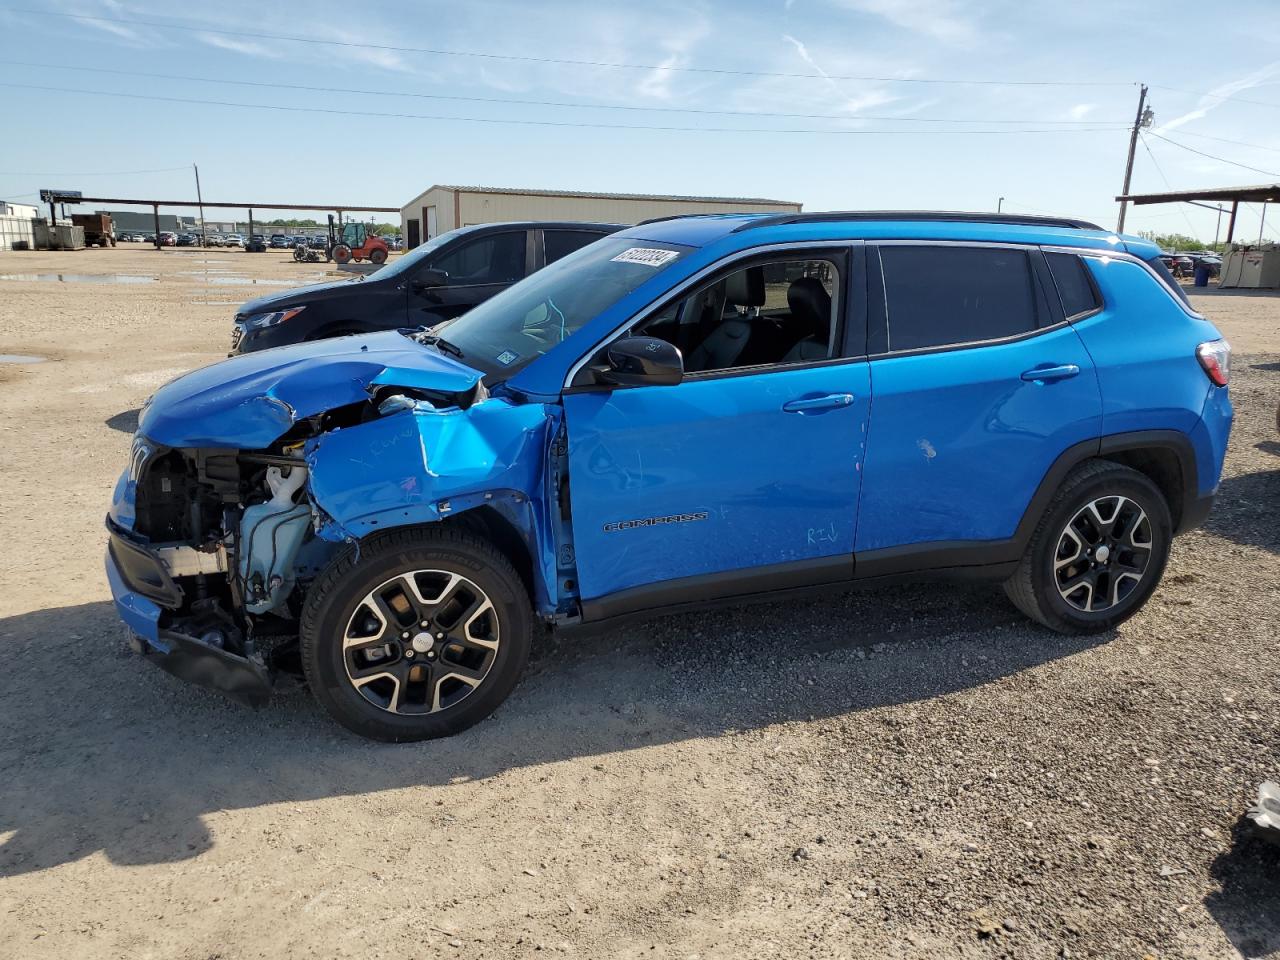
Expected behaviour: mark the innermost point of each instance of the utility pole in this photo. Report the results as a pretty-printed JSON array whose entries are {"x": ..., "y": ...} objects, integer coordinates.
[
  {"x": 200, "y": 200},
  {"x": 1263, "y": 222},
  {"x": 1217, "y": 228},
  {"x": 1000, "y": 205},
  {"x": 1142, "y": 118}
]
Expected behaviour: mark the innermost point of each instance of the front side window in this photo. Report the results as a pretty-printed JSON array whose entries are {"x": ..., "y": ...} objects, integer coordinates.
[
  {"x": 770, "y": 313},
  {"x": 523, "y": 322},
  {"x": 940, "y": 295},
  {"x": 496, "y": 258}
]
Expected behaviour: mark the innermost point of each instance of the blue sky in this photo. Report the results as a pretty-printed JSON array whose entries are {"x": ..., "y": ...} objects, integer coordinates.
[{"x": 92, "y": 141}]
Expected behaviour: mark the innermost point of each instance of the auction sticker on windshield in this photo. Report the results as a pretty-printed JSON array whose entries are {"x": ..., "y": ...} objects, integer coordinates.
[{"x": 649, "y": 256}]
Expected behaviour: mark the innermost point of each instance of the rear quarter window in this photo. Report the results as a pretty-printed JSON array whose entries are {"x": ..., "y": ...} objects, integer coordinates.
[
  {"x": 1075, "y": 284},
  {"x": 1156, "y": 264}
]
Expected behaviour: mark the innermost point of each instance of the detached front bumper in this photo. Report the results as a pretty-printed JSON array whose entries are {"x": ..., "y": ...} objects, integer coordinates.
[{"x": 146, "y": 599}]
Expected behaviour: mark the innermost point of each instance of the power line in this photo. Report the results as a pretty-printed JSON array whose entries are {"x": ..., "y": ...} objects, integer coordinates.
[
  {"x": 524, "y": 122},
  {"x": 542, "y": 103},
  {"x": 441, "y": 52},
  {"x": 1236, "y": 143},
  {"x": 1242, "y": 166},
  {"x": 114, "y": 173},
  {"x": 1219, "y": 96},
  {"x": 1168, "y": 186}
]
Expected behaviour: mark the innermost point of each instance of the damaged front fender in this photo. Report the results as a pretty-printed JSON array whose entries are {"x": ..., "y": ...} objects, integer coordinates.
[{"x": 423, "y": 464}]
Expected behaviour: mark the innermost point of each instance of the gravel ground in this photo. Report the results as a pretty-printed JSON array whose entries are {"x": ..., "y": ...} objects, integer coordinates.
[{"x": 912, "y": 772}]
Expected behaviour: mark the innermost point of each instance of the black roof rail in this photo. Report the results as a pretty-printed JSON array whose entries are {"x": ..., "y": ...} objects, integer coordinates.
[
  {"x": 950, "y": 216},
  {"x": 675, "y": 216}
]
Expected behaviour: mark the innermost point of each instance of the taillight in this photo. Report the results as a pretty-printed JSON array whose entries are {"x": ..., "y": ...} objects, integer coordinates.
[{"x": 1215, "y": 357}]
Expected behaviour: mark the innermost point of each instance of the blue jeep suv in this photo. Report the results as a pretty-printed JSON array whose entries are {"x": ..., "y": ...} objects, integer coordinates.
[{"x": 694, "y": 410}]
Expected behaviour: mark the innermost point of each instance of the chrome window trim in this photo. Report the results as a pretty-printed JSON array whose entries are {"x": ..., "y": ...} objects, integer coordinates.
[
  {"x": 1027, "y": 248},
  {"x": 674, "y": 293},
  {"x": 1132, "y": 258},
  {"x": 1013, "y": 245},
  {"x": 970, "y": 344},
  {"x": 1083, "y": 314}
]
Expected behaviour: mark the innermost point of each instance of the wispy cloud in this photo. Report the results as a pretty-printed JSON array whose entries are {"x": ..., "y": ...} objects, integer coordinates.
[
  {"x": 1213, "y": 99},
  {"x": 120, "y": 31},
  {"x": 1081, "y": 110},
  {"x": 657, "y": 83},
  {"x": 939, "y": 19},
  {"x": 246, "y": 47},
  {"x": 849, "y": 104}
]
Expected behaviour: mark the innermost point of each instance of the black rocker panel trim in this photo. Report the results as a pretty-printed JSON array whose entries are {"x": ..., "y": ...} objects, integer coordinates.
[
  {"x": 963, "y": 559},
  {"x": 694, "y": 592}
]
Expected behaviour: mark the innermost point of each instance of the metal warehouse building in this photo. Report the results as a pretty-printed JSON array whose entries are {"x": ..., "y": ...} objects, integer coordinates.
[{"x": 445, "y": 207}]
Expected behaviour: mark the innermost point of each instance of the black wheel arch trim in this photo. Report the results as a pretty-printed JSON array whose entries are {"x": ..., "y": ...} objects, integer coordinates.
[{"x": 921, "y": 557}]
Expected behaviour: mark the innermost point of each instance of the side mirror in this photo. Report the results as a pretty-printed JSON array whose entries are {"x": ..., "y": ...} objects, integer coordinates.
[
  {"x": 638, "y": 361},
  {"x": 430, "y": 277}
]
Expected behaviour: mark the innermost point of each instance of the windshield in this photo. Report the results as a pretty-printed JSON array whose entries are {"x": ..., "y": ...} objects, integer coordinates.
[
  {"x": 523, "y": 322},
  {"x": 415, "y": 258}
]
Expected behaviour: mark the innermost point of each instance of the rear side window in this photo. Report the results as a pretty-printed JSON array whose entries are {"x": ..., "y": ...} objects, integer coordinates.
[
  {"x": 496, "y": 258},
  {"x": 939, "y": 295},
  {"x": 1075, "y": 285},
  {"x": 1162, "y": 271},
  {"x": 561, "y": 243}
]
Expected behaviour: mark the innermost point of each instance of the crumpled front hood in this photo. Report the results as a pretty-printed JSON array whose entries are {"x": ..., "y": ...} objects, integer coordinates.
[{"x": 248, "y": 401}]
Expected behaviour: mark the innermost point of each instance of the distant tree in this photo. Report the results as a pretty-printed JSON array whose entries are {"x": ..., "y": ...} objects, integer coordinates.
[{"x": 1175, "y": 242}]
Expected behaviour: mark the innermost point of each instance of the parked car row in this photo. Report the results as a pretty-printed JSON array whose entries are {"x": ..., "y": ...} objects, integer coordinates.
[
  {"x": 1183, "y": 265},
  {"x": 277, "y": 241}
]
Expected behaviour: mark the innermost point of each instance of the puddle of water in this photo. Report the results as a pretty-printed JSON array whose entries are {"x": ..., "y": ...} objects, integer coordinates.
[
  {"x": 20, "y": 358},
  {"x": 255, "y": 281},
  {"x": 80, "y": 277},
  {"x": 201, "y": 273}
]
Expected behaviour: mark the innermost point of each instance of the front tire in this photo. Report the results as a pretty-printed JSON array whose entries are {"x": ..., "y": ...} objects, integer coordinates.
[
  {"x": 417, "y": 634},
  {"x": 1098, "y": 552},
  {"x": 378, "y": 257}
]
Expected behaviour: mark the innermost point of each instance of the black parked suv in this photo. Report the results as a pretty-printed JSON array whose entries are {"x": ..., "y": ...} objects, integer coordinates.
[{"x": 440, "y": 280}]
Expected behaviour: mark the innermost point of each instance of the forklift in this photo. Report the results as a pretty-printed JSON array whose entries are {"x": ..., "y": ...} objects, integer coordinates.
[{"x": 347, "y": 241}]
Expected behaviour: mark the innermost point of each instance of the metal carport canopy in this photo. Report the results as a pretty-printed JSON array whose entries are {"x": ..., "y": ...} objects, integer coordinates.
[
  {"x": 1259, "y": 193},
  {"x": 72, "y": 197},
  {"x": 335, "y": 207}
]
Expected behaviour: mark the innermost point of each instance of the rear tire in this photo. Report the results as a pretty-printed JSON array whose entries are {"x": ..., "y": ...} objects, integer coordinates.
[
  {"x": 1098, "y": 552},
  {"x": 416, "y": 634}
]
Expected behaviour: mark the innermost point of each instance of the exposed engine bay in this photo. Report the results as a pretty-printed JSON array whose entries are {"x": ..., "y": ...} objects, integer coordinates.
[
  {"x": 231, "y": 535},
  {"x": 247, "y": 478}
]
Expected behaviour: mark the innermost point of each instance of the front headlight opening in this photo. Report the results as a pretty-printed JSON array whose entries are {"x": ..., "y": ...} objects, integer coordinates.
[{"x": 261, "y": 321}]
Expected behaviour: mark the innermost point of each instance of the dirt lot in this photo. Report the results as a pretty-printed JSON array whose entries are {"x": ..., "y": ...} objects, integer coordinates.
[{"x": 914, "y": 772}]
